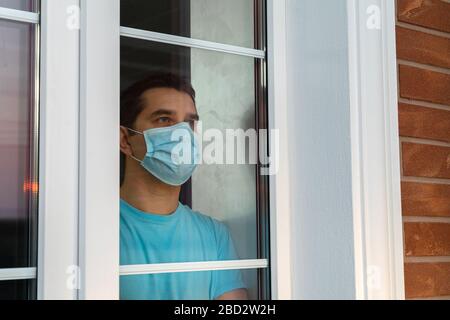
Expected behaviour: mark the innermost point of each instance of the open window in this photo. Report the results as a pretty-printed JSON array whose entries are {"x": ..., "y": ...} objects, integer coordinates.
[{"x": 220, "y": 48}]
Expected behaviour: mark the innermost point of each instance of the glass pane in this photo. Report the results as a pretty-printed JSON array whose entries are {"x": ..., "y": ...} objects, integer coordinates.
[
  {"x": 202, "y": 285},
  {"x": 225, "y": 100},
  {"x": 16, "y": 290},
  {"x": 230, "y": 22},
  {"x": 18, "y": 187},
  {"x": 25, "y": 5},
  {"x": 225, "y": 85}
]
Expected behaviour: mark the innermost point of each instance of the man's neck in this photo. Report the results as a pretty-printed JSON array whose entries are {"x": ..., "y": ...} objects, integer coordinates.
[{"x": 146, "y": 193}]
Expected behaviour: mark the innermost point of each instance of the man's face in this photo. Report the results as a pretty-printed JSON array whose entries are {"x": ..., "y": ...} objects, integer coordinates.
[{"x": 163, "y": 107}]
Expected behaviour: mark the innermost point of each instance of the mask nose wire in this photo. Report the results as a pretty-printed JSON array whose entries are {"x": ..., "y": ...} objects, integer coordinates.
[{"x": 132, "y": 156}]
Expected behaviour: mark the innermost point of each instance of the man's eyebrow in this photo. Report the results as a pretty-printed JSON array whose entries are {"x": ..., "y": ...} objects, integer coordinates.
[
  {"x": 193, "y": 116},
  {"x": 162, "y": 112},
  {"x": 166, "y": 112}
]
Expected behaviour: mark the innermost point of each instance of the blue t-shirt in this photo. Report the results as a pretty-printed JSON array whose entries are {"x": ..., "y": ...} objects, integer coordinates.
[{"x": 183, "y": 236}]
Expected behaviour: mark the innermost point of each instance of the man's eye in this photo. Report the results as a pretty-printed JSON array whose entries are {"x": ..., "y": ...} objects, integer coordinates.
[{"x": 163, "y": 120}]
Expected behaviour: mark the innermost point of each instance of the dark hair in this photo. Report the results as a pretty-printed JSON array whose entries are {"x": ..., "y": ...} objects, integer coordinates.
[{"x": 132, "y": 103}]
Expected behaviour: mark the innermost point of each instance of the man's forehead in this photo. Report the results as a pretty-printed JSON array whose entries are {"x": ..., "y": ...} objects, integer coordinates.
[
  {"x": 166, "y": 94},
  {"x": 168, "y": 99}
]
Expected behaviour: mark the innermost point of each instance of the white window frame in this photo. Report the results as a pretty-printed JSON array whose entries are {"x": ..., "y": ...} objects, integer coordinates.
[
  {"x": 364, "y": 259},
  {"x": 378, "y": 226},
  {"x": 19, "y": 15},
  {"x": 79, "y": 142},
  {"x": 280, "y": 191},
  {"x": 59, "y": 149},
  {"x": 99, "y": 149},
  {"x": 78, "y": 263}
]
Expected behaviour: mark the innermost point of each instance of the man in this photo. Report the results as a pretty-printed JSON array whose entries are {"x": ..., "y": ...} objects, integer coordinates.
[{"x": 154, "y": 226}]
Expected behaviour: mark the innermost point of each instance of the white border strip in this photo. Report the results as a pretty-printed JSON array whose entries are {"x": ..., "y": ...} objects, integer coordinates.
[
  {"x": 19, "y": 15},
  {"x": 378, "y": 233},
  {"x": 98, "y": 218},
  {"x": 130, "y": 270},
  {"x": 58, "y": 153},
  {"x": 191, "y": 43},
  {"x": 17, "y": 274},
  {"x": 280, "y": 187}
]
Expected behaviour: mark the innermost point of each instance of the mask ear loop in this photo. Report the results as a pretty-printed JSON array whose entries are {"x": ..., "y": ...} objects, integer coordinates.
[{"x": 137, "y": 132}]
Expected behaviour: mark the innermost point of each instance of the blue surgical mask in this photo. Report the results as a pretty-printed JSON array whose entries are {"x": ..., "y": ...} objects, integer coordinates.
[{"x": 172, "y": 153}]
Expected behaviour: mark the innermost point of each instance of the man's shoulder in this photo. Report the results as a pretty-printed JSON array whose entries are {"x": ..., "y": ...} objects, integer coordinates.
[{"x": 206, "y": 219}]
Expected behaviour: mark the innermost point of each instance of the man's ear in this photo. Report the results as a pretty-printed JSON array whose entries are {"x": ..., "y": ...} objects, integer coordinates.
[{"x": 125, "y": 146}]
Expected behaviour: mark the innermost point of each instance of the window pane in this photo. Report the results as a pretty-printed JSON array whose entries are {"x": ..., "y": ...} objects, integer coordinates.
[
  {"x": 230, "y": 22},
  {"x": 201, "y": 285},
  {"x": 225, "y": 85},
  {"x": 18, "y": 187},
  {"x": 225, "y": 100},
  {"x": 25, "y": 5},
  {"x": 17, "y": 290}
]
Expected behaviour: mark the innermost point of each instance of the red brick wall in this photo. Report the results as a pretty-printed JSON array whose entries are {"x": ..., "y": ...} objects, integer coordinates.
[{"x": 423, "y": 50}]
